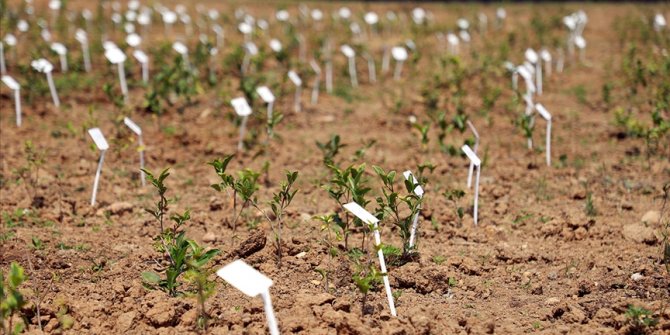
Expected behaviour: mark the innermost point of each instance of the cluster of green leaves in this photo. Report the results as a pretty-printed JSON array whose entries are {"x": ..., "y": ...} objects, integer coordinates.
[
  {"x": 11, "y": 299},
  {"x": 244, "y": 186},
  {"x": 29, "y": 172},
  {"x": 280, "y": 201},
  {"x": 172, "y": 79},
  {"x": 347, "y": 185},
  {"x": 330, "y": 149},
  {"x": 454, "y": 196},
  {"x": 640, "y": 319},
  {"x": 183, "y": 254},
  {"x": 391, "y": 203}
]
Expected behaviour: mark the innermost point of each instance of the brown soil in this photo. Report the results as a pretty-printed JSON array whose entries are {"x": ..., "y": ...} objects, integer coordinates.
[{"x": 535, "y": 263}]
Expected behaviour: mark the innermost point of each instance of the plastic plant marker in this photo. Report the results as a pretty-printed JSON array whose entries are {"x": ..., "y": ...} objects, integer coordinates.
[
  {"x": 351, "y": 57},
  {"x": 82, "y": 38},
  {"x": 400, "y": 55},
  {"x": 546, "y": 58},
  {"x": 252, "y": 283},
  {"x": 580, "y": 42},
  {"x": 453, "y": 42},
  {"x": 298, "y": 89},
  {"x": 133, "y": 40},
  {"x": 317, "y": 81},
  {"x": 44, "y": 66},
  {"x": 60, "y": 49},
  {"x": 418, "y": 190},
  {"x": 138, "y": 131},
  {"x": 474, "y": 159},
  {"x": 116, "y": 56},
  {"x": 370, "y": 219},
  {"x": 102, "y": 145},
  {"x": 181, "y": 49},
  {"x": 143, "y": 59},
  {"x": 243, "y": 110},
  {"x": 534, "y": 59},
  {"x": 329, "y": 67},
  {"x": 472, "y": 165},
  {"x": 14, "y": 86},
  {"x": 3, "y": 66},
  {"x": 386, "y": 59},
  {"x": 275, "y": 45},
  {"x": 250, "y": 50},
  {"x": 269, "y": 98},
  {"x": 218, "y": 30},
  {"x": 372, "y": 73},
  {"x": 545, "y": 115}
]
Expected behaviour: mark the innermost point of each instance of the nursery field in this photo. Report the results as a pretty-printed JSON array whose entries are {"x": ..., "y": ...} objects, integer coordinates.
[{"x": 537, "y": 137}]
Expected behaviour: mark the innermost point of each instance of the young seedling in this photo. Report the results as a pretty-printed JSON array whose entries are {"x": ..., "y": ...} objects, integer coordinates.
[
  {"x": 101, "y": 144},
  {"x": 351, "y": 58},
  {"x": 371, "y": 220},
  {"x": 14, "y": 86},
  {"x": 454, "y": 196},
  {"x": 243, "y": 110},
  {"x": 317, "y": 80},
  {"x": 138, "y": 131},
  {"x": 330, "y": 149},
  {"x": 295, "y": 79},
  {"x": 545, "y": 115},
  {"x": 44, "y": 66},
  {"x": 280, "y": 201},
  {"x": 82, "y": 38},
  {"x": 400, "y": 55},
  {"x": 115, "y": 56},
  {"x": 61, "y": 51},
  {"x": 11, "y": 299},
  {"x": 474, "y": 159},
  {"x": 472, "y": 165},
  {"x": 418, "y": 190},
  {"x": 252, "y": 283}
]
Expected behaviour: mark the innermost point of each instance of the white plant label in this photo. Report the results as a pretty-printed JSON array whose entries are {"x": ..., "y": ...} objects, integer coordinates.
[
  {"x": 370, "y": 219},
  {"x": 44, "y": 66},
  {"x": 545, "y": 115},
  {"x": 351, "y": 57},
  {"x": 347, "y": 51},
  {"x": 133, "y": 40},
  {"x": 478, "y": 163},
  {"x": 282, "y": 15},
  {"x": 116, "y": 56},
  {"x": 243, "y": 110},
  {"x": 14, "y": 86},
  {"x": 546, "y": 58},
  {"x": 344, "y": 13},
  {"x": 102, "y": 145},
  {"x": 252, "y": 283},
  {"x": 138, "y": 131},
  {"x": 472, "y": 165},
  {"x": 265, "y": 94},
  {"x": 418, "y": 190},
  {"x": 143, "y": 59},
  {"x": 298, "y": 89},
  {"x": 81, "y": 37},
  {"x": 372, "y": 74},
  {"x": 60, "y": 49},
  {"x": 275, "y": 45},
  {"x": 3, "y": 67},
  {"x": 317, "y": 81},
  {"x": 400, "y": 55}
]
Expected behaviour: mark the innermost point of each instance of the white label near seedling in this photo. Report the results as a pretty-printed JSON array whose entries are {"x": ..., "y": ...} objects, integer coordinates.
[
  {"x": 115, "y": 55},
  {"x": 102, "y": 145},
  {"x": 11, "y": 83},
  {"x": 14, "y": 86},
  {"x": 180, "y": 48},
  {"x": 370, "y": 219},
  {"x": 295, "y": 79},
  {"x": 547, "y": 116},
  {"x": 371, "y": 18},
  {"x": 133, "y": 40},
  {"x": 42, "y": 65},
  {"x": 133, "y": 126},
  {"x": 347, "y": 51},
  {"x": 531, "y": 55},
  {"x": 251, "y": 48},
  {"x": 138, "y": 131},
  {"x": 241, "y": 106},
  {"x": 418, "y": 190},
  {"x": 265, "y": 94},
  {"x": 140, "y": 56},
  {"x": 477, "y": 162},
  {"x": 472, "y": 165},
  {"x": 99, "y": 139},
  {"x": 275, "y": 45},
  {"x": 399, "y": 54}
]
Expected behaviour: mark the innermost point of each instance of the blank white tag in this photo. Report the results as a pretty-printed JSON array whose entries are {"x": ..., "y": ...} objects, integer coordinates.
[
  {"x": 98, "y": 138},
  {"x": 80, "y": 36},
  {"x": 42, "y": 65},
  {"x": 344, "y": 12},
  {"x": 265, "y": 94},
  {"x": 471, "y": 155},
  {"x": 347, "y": 51},
  {"x": 315, "y": 66},
  {"x": 133, "y": 40},
  {"x": 251, "y": 48},
  {"x": 169, "y": 17},
  {"x": 371, "y": 18},
  {"x": 11, "y": 83},
  {"x": 180, "y": 48},
  {"x": 241, "y": 106},
  {"x": 543, "y": 112},
  {"x": 531, "y": 55},
  {"x": 245, "y": 28},
  {"x": 418, "y": 190},
  {"x": 59, "y": 48},
  {"x": 141, "y": 56},
  {"x": 361, "y": 213},
  {"x": 245, "y": 278},
  {"x": 580, "y": 42},
  {"x": 275, "y": 45},
  {"x": 545, "y": 55},
  {"x": 10, "y": 39},
  {"x": 282, "y": 15},
  {"x": 295, "y": 78},
  {"x": 399, "y": 54},
  {"x": 115, "y": 55},
  {"x": 132, "y": 125}
]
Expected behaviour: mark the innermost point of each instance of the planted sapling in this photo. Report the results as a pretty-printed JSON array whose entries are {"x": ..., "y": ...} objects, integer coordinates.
[
  {"x": 11, "y": 300},
  {"x": 454, "y": 196}
]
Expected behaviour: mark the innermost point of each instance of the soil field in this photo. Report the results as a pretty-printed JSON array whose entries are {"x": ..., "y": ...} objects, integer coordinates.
[{"x": 572, "y": 248}]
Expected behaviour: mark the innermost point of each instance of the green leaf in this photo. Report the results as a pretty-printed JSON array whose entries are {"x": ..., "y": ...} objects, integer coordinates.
[{"x": 151, "y": 277}]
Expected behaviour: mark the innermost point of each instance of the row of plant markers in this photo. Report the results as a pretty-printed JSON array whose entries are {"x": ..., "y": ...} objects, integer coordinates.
[{"x": 239, "y": 274}]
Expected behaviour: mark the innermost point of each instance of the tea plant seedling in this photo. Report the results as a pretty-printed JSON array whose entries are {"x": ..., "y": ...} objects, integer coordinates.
[
  {"x": 640, "y": 319},
  {"x": 11, "y": 300},
  {"x": 453, "y": 196}
]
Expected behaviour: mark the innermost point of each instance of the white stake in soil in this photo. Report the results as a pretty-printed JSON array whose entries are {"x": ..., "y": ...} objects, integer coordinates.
[
  {"x": 181, "y": 49},
  {"x": 102, "y": 145},
  {"x": 116, "y": 56},
  {"x": 3, "y": 66},
  {"x": 269, "y": 98},
  {"x": 252, "y": 283},
  {"x": 386, "y": 59},
  {"x": 400, "y": 55},
  {"x": 472, "y": 165},
  {"x": 243, "y": 110},
  {"x": 317, "y": 81},
  {"x": 295, "y": 79},
  {"x": 534, "y": 59},
  {"x": 418, "y": 190},
  {"x": 44, "y": 66},
  {"x": 82, "y": 38},
  {"x": 580, "y": 42},
  {"x": 351, "y": 57},
  {"x": 545, "y": 115},
  {"x": 60, "y": 49},
  {"x": 546, "y": 58},
  {"x": 143, "y": 59},
  {"x": 372, "y": 72},
  {"x": 474, "y": 159},
  {"x": 138, "y": 131},
  {"x": 370, "y": 219},
  {"x": 250, "y": 50},
  {"x": 14, "y": 86}
]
